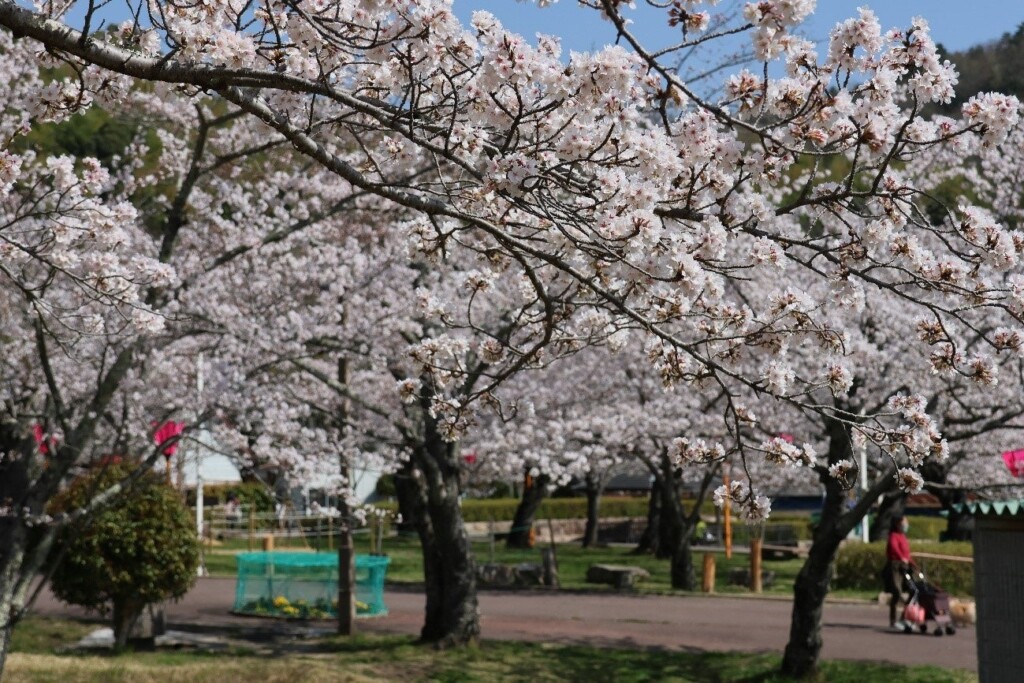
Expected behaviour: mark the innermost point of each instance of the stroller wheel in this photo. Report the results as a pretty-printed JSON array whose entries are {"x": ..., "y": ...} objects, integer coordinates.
[
  {"x": 950, "y": 630},
  {"x": 907, "y": 628},
  {"x": 938, "y": 631},
  {"x": 923, "y": 627}
]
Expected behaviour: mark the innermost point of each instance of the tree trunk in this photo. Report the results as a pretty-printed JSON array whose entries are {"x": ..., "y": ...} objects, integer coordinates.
[
  {"x": 407, "y": 491},
  {"x": 452, "y": 616},
  {"x": 668, "y": 519},
  {"x": 959, "y": 525},
  {"x": 449, "y": 572},
  {"x": 126, "y": 612},
  {"x": 10, "y": 562},
  {"x": 652, "y": 532},
  {"x": 677, "y": 530},
  {"x": 812, "y": 584},
  {"x": 890, "y": 507},
  {"x": 346, "y": 577},
  {"x": 813, "y": 581},
  {"x": 5, "y": 633},
  {"x": 809, "y": 590},
  {"x": 21, "y": 554},
  {"x": 684, "y": 574},
  {"x": 594, "y": 490},
  {"x": 535, "y": 489}
]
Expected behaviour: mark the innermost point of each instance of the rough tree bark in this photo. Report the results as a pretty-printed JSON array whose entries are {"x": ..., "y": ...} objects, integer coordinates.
[
  {"x": 678, "y": 531},
  {"x": 346, "y": 550},
  {"x": 408, "y": 492},
  {"x": 22, "y": 553},
  {"x": 594, "y": 489},
  {"x": 452, "y": 616},
  {"x": 648, "y": 543},
  {"x": 959, "y": 526},
  {"x": 126, "y": 613},
  {"x": 535, "y": 490},
  {"x": 890, "y": 506},
  {"x": 681, "y": 524},
  {"x": 812, "y": 584}
]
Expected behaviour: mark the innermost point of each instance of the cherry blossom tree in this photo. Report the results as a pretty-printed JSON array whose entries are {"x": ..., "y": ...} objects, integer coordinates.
[
  {"x": 95, "y": 260},
  {"x": 77, "y": 277},
  {"x": 624, "y": 203},
  {"x": 560, "y": 167}
]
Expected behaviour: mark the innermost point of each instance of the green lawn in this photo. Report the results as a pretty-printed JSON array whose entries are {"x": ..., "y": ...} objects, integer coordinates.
[
  {"x": 573, "y": 560},
  {"x": 396, "y": 658}
]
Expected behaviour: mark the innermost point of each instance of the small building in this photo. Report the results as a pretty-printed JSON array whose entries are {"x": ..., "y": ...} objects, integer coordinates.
[{"x": 999, "y": 588}]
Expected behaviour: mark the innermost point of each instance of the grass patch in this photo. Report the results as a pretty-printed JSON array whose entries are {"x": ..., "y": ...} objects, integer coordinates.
[
  {"x": 42, "y": 635},
  {"x": 376, "y": 658},
  {"x": 573, "y": 560}
]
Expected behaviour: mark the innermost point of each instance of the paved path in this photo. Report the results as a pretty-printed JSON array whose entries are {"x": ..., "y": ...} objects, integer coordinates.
[{"x": 852, "y": 631}]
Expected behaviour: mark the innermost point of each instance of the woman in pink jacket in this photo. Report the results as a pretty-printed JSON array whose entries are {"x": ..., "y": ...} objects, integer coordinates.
[{"x": 897, "y": 564}]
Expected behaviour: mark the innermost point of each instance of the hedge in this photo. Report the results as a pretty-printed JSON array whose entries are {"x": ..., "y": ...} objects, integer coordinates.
[
  {"x": 503, "y": 510},
  {"x": 858, "y": 566},
  {"x": 925, "y": 528}
]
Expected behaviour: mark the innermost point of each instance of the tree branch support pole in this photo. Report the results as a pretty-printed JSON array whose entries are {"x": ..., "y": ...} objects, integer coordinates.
[
  {"x": 755, "y": 562},
  {"x": 490, "y": 539},
  {"x": 708, "y": 575},
  {"x": 550, "y": 559}
]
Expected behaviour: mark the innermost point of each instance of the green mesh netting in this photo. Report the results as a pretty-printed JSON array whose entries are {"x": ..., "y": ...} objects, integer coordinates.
[{"x": 305, "y": 585}]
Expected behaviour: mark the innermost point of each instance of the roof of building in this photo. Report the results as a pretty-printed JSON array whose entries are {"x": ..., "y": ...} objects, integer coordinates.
[{"x": 995, "y": 508}]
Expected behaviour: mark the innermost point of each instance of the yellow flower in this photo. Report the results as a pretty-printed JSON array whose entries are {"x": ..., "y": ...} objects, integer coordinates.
[{"x": 281, "y": 602}]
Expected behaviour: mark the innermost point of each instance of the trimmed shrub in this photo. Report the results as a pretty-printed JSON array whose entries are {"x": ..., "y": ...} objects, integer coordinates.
[
  {"x": 139, "y": 550},
  {"x": 858, "y": 566}
]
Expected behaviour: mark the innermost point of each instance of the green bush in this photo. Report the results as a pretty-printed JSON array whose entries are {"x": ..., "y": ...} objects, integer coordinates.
[
  {"x": 925, "y": 528},
  {"x": 858, "y": 566},
  {"x": 139, "y": 550}
]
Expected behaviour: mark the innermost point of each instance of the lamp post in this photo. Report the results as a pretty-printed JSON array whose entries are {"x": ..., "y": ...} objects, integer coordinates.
[
  {"x": 866, "y": 522},
  {"x": 200, "y": 526}
]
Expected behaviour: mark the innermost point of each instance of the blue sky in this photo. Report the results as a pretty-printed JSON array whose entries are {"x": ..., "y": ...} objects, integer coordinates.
[{"x": 957, "y": 24}]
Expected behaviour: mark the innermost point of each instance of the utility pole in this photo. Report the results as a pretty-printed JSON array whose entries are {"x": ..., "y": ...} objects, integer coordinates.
[
  {"x": 200, "y": 526},
  {"x": 346, "y": 548}
]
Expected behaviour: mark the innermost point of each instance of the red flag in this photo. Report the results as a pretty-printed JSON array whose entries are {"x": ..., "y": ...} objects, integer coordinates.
[
  {"x": 42, "y": 442},
  {"x": 166, "y": 432},
  {"x": 1015, "y": 462}
]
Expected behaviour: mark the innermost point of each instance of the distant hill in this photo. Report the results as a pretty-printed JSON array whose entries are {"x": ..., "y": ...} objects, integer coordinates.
[{"x": 996, "y": 66}]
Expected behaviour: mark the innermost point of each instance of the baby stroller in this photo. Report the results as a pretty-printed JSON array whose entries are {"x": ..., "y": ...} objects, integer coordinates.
[{"x": 928, "y": 602}]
